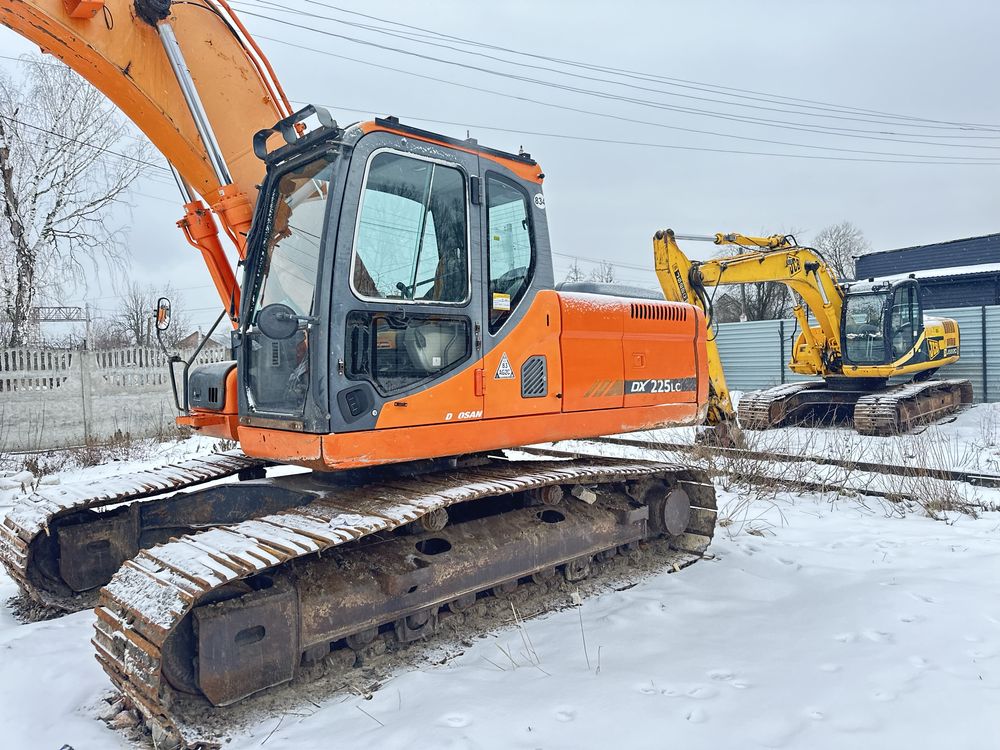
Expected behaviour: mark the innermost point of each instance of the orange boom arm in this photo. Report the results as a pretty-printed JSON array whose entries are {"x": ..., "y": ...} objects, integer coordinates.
[{"x": 122, "y": 52}]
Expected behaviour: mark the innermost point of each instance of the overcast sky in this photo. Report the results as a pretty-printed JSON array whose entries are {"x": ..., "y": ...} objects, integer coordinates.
[{"x": 907, "y": 58}]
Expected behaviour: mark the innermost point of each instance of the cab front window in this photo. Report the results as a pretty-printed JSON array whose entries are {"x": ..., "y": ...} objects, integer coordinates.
[
  {"x": 864, "y": 328},
  {"x": 287, "y": 267}
]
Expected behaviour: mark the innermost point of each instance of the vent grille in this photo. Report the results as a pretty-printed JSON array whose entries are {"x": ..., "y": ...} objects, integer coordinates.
[
  {"x": 949, "y": 326},
  {"x": 275, "y": 354},
  {"x": 653, "y": 311},
  {"x": 213, "y": 394},
  {"x": 534, "y": 377}
]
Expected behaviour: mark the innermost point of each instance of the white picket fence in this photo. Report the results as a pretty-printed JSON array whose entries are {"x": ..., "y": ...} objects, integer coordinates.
[{"x": 53, "y": 398}]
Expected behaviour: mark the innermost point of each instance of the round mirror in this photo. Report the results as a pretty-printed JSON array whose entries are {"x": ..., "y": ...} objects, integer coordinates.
[
  {"x": 162, "y": 314},
  {"x": 277, "y": 321}
]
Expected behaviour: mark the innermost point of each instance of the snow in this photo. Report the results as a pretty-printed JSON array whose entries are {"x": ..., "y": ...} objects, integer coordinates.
[{"x": 843, "y": 626}]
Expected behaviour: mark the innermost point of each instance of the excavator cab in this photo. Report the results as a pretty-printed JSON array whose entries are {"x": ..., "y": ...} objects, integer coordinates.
[
  {"x": 398, "y": 296},
  {"x": 881, "y": 322},
  {"x": 382, "y": 260}
]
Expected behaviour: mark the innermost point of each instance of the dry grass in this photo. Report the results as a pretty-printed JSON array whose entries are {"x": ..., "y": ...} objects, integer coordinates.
[{"x": 762, "y": 483}]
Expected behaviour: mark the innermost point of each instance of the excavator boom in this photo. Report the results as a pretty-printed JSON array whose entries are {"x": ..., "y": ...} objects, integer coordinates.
[
  {"x": 126, "y": 60},
  {"x": 192, "y": 80}
]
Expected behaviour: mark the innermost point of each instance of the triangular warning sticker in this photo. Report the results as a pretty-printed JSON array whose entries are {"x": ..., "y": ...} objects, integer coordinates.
[{"x": 504, "y": 370}]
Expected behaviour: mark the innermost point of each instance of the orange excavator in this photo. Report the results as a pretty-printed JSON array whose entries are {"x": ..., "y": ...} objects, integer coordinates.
[{"x": 397, "y": 331}]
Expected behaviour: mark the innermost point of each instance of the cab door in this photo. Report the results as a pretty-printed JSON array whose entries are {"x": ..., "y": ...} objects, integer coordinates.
[
  {"x": 410, "y": 303},
  {"x": 522, "y": 372},
  {"x": 906, "y": 322}
]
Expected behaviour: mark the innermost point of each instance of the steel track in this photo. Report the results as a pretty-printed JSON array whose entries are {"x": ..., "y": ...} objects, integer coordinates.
[
  {"x": 310, "y": 572},
  {"x": 38, "y": 521},
  {"x": 896, "y": 410}
]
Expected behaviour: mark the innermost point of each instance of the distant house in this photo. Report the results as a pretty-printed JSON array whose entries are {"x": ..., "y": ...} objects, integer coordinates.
[
  {"x": 957, "y": 273},
  {"x": 194, "y": 339}
]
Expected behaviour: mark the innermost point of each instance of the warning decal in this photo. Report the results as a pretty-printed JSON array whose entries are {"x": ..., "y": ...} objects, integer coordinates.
[{"x": 504, "y": 370}]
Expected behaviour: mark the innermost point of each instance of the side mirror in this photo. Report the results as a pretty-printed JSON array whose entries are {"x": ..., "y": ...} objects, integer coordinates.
[
  {"x": 162, "y": 314},
  {"x": 277, "y": 321}
]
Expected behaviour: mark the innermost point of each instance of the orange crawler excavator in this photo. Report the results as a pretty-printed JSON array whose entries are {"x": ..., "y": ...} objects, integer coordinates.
[{"x": 396, "y": 331}]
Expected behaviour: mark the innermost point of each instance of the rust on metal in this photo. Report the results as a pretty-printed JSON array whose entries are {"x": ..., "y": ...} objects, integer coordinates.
[{"x": 252, "y": 619}]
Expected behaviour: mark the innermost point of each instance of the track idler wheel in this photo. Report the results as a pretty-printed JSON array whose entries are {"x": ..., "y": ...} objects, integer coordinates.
[
  {"x": 361, "y": 639},
  {"x": 462, "y": 604},
  {"x": 417, "y": 625},
  {"x": 577, "y": 570},
  {"x": 434, "y": 521},
  {"x": 550, "y": 495},
  {"x": 543, "y": 576},
  {"x": 504, "y": 589},
  {"x": 669, "y": 507}
]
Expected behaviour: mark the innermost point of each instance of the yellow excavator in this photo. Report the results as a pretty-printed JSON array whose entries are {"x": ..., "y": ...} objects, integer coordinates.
[{"x": 864, "y": 333}]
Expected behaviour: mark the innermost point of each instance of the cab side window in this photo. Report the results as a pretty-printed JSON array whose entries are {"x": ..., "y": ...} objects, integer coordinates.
[{"x": 511, "y": 248}]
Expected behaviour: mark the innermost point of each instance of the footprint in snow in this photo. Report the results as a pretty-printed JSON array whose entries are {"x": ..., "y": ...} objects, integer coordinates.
[
  {"x": 829, "y": 667},
  {"x": 696, "y": 716},
  {"x": 878, "y": 636},
  {"x": 883, "y": 696},
  {"x": 919, "y": 662},
  {"x": 910, "y": 618},
  {"x": 922, "y": 598},
  {"x": 565, "y": 713},
  {"x": 815, "y": 714},
  {"x": 648, "y": 689},
  {"x": 986, "y": 652},
  {"x": 456, "y": 721},
  {"x": 846, "y": 637},
  {"x": 728, "y": 677}
]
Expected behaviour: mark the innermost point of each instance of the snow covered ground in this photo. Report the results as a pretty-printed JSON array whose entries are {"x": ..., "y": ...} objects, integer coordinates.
[
  {"x": 967, "y": 441},
  {"x": 842, "y": 627}
]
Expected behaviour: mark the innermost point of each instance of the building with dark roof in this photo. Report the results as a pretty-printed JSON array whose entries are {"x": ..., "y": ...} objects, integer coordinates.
[{"x": 957, "y": 273}]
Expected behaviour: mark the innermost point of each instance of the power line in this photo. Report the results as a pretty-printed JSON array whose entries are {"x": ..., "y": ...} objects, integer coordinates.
[
  {"x": 607, "y": 115},
  {"x": 805, "y": 127},
  {"x": 85, "y": 143},
  {"x": 901, "y": 158},
  {"x": 956, "y": 159},
  {"x": 673, "y": 81},
  {"x": 645, "y": 144}
]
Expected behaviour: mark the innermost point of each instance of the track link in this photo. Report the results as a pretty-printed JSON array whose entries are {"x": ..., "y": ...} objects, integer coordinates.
[
  {"x": 900, "y": 409},
  {"x": 771, "y": 407},
  {"x": 30, "y": 532},
  {"x": 210, "y": 618}
]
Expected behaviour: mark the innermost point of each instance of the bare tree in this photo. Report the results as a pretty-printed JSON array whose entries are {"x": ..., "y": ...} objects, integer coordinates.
[
  {"x": 105, "y": 334},
  {"x": 65, "y": 160},
  {"x": 840, "y": 244},
  {"x": 575, "y": 273},
  {"x": 605, "y": 273},
  {"x": 132, "y": 323}
]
